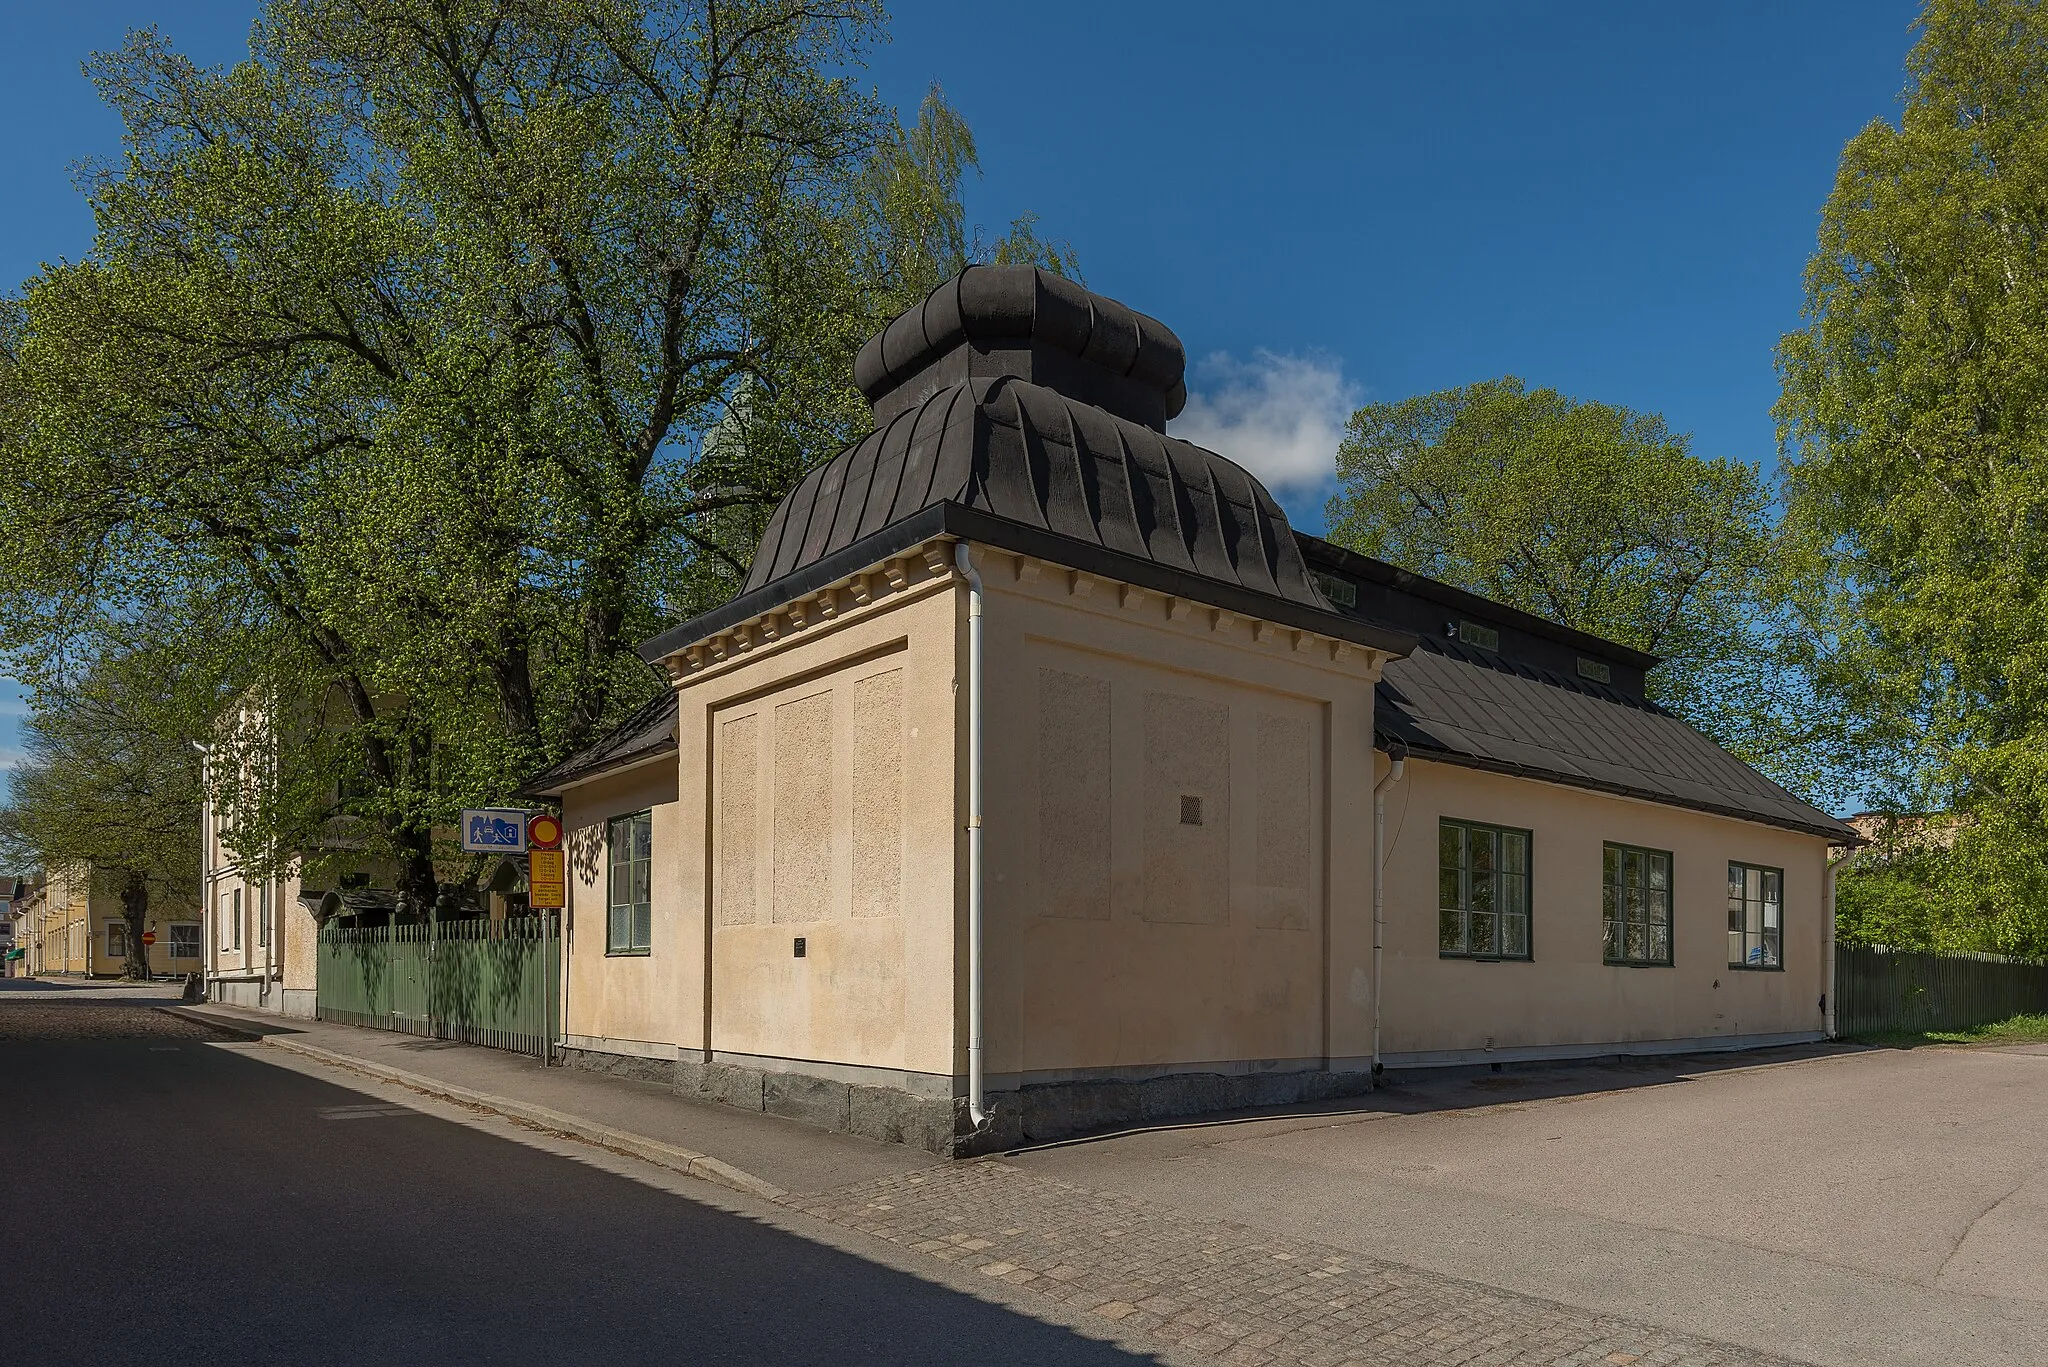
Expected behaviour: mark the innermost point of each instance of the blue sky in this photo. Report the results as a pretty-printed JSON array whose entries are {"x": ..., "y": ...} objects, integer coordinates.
[{"x": 1330, "y": 203}]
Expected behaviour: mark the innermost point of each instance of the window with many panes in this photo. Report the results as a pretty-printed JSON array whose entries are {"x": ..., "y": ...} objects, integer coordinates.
[
  {"x": 630, "y": 925},
  {"x": 184, "y": 939},
  {"x": 1636, "y": 902},
  {"x": 1482, "y": 891},
  {"x": 1756, "y": 916},
  {"x": 117, "y": 940}
]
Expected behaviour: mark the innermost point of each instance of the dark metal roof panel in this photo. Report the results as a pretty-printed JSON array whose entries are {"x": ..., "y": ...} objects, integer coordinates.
[
  {"x": 1037, "y": 458},
  {"x": 648, "y": 730},
  {"x": 1495, "y": 717}
]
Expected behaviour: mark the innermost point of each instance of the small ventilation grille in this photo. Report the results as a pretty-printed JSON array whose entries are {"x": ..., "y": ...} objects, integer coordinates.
[{"x": 1190, "y": 810}]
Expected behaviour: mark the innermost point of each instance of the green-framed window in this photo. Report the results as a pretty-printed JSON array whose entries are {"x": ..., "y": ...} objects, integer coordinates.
[
  {"x": 1482, "y": 891},
  {"x": 629, "y": 847},
  {"x": 1636, "y": 903},
  {"x": 1756, "y": 916}
]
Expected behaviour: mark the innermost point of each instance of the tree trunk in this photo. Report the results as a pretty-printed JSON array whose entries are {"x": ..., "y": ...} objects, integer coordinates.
[{"x": 135, "y": 911}]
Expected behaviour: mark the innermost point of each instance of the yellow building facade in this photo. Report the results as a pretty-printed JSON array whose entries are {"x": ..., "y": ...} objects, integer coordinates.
[{"x": 1031, "y": 784}]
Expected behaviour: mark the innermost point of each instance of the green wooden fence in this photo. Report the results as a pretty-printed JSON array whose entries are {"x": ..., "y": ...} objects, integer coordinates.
[
  {"x": 482, "y": 982},
  {"x": 1881, "y": 991}
]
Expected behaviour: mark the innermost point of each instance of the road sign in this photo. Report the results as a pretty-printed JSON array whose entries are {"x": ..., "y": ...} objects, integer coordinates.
[
  {"x": 544, "y": 832},
  {"x": 494, "y": 830},
  {"x": 149, "y": 937},
  {"x": 546, "y": 883}
]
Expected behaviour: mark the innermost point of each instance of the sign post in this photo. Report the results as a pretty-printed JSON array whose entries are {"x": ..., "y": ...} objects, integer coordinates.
[{"x": 547, "y": 891}]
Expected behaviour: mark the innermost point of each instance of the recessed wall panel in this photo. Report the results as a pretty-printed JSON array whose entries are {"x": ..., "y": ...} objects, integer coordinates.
[
  {"x": 803, "y": 809},
  {"x": 878, "y": 795},
  {"x": 1073, "y": 795},
  {"x": 1187, "y": 810}
]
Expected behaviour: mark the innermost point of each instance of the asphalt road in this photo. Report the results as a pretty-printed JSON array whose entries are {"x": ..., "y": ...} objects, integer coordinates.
[{"x": 170, "y": 1198}]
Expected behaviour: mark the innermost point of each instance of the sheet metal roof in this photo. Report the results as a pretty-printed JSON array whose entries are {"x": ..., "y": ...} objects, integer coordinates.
[
  {"x": 1464, "y": 707},
  {"x": 648, "y": 730},
  {"x": 1016, "y": 409}
]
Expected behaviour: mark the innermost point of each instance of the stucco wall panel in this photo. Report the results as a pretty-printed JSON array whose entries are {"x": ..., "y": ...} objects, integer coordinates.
[
  {"x": 1566, "y": 995},
  {"x": 736, "y": 820},
  {"x": 1073, "y": 795},
  {"x": 804, "y": 792},
  {"x": 1213, "y": 959},
  {"x": 1186, "y": 802},
  {"x": 878, "y": 794},
  {"x": 849, "y": 740},
  {"x": 642, "y": 997}
]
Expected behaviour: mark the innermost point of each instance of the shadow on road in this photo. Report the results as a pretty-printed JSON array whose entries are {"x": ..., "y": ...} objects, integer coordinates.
[
  {"x": 1421, "y": 1093},
  {"x": 315, "y": 1224}
]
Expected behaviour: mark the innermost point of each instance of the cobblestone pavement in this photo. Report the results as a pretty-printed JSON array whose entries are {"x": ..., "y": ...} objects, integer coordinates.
[
  {"x": 37, "y": 1018},
  {"x": 1231, "y": 1293}
]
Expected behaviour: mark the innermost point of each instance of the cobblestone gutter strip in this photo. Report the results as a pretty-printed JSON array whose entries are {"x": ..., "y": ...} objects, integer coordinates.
[
  {"x": 1229, "y": 1292},
  {"x": 637, "y": 1146}
]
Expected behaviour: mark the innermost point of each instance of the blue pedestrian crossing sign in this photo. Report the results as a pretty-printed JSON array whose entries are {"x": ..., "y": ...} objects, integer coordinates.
[{"x": 494, "y": 830}]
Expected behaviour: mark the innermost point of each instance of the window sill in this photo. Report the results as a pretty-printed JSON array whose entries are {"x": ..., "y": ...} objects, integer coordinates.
[
  {"x": 1636, "y": 963},
  {"x": 627, "y": 953},
  {"x": 1454, "y": 955},
  {"x": 1756, "y": 968}
]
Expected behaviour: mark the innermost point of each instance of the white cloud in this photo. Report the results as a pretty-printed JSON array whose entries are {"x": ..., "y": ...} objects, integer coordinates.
[{"x": 1279, "y": 415}]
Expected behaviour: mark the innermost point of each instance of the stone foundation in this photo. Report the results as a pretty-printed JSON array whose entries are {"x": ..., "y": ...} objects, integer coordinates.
[{"x": 1031, "y": 1115}]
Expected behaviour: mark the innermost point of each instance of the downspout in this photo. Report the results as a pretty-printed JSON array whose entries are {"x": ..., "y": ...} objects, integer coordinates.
[
  {"x": 209, "y": 932},
  {"x": 1827, "y": 1014},
  {"x": 1379, "y": 893},
  {"x": 977, "y": 1095}
]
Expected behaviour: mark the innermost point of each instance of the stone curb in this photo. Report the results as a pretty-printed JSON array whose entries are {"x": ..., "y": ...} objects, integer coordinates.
[{"x": 687, "y": 1161}]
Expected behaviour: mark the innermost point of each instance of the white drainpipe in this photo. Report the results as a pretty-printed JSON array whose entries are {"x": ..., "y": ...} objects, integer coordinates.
[
  {"x": 209, "y": 962},
  {"x": 1379, "y": 901},
  {"x": 1828, "y": 1016},
  {"x": 977, "y": 1095}
]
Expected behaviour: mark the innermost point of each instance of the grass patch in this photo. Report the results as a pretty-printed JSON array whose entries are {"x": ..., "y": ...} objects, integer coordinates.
[{"x": 2020, "y": 1029}]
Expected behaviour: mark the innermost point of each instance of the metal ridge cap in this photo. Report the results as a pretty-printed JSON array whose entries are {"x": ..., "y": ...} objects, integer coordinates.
[
  {"x": 973, "y": 524},
  {"x": 1316, "y": 548}
]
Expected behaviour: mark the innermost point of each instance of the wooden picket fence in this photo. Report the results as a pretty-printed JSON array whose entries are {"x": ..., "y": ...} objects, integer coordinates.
[{"x": 1883, "y": 991}]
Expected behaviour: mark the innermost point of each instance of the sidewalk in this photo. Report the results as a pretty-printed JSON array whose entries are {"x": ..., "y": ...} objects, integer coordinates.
[
  {"x": 1156, "y": 1278},
  {"x": 747, "y": 1150}
]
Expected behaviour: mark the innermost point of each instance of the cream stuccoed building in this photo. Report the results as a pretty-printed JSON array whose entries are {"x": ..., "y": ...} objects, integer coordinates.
[{"x": 1043, "y": 778}]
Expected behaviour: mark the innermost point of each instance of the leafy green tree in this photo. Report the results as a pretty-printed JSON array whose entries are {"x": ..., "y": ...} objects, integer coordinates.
[
  {"x": 111, "y": 789},
  {"x": 1915, "y": 421},
  {"x": 404, "y": 341},
  {"x": 1595, "y": 516}
]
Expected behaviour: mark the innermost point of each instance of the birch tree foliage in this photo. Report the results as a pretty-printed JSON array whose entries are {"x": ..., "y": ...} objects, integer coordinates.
[
  {"x": 1915, "y": 422},
  {"x": 408, "y": 331},
  {"x": 1595, "y": 516}
]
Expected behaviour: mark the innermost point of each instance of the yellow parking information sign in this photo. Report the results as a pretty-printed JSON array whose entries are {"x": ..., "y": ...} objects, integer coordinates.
[{"x": 547, "y": 884}]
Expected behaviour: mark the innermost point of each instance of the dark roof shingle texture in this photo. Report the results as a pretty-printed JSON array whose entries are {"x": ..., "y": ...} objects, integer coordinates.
[
  {"x": 647, "y": 730},
  {"x": 1445, "y": 703}
]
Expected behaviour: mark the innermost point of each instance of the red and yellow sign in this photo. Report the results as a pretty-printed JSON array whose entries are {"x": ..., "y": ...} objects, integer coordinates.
[
  {"x": 149, "y": 937},
  {"x": 543, "y": 832},
  {"x": 546, "y": 880}
]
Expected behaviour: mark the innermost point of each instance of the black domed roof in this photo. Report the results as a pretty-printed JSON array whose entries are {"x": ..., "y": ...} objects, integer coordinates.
[
  {"x": 1017, "y": 409},
  {"x": 1035, "y": 457},
  {"x": 1028, "y": 323}
]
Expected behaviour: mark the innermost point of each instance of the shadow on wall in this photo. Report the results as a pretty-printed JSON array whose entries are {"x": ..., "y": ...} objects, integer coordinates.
[
  {"x": 346, "y": 1233},
  {"x": 586, "y": 854}
]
